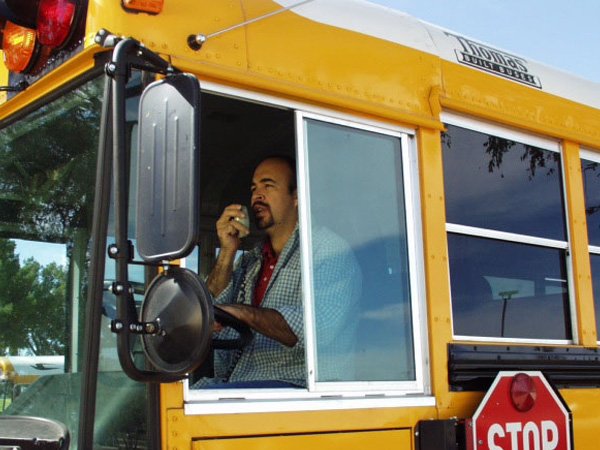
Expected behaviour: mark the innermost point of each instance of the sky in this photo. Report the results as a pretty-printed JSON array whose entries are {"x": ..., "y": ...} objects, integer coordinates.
[
  {"x": 42, "y": 252},
  {"x": 564, "y": 34}
]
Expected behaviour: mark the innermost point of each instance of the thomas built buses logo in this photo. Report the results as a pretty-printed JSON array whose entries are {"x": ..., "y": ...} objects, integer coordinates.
[{"x": 494, "y": 61}]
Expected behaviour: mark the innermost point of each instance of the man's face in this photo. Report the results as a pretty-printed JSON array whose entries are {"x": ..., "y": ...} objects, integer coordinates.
[{"x": 272, "y": 203}]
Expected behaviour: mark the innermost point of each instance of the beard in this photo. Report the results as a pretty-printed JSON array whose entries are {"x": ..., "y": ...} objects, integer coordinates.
[{"x": 266, "y": 219}]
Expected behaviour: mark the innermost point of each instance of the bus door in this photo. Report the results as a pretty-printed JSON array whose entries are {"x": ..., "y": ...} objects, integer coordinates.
[
  {"x": 46, "y": 198},
  {"x": 47, "y": 193}
]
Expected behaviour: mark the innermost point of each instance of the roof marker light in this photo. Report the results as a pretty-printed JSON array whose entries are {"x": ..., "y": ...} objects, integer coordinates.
[{"x": 147, "y": 6}]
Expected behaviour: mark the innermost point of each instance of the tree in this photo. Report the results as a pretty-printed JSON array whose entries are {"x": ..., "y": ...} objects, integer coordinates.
[
  {"x": 47, "y": 163},
  {"x": 32, "y": 304}
]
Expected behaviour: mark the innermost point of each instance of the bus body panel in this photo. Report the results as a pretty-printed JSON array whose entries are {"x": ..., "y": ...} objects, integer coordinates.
[
  {"x": 363, "y": 73},
  {"x": 335, "y": 441},
  {"x": 379, "y": 79}
]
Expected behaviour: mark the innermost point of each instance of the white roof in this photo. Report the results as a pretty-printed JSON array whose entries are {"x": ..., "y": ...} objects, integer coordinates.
[{"x": 394, "y": 26}]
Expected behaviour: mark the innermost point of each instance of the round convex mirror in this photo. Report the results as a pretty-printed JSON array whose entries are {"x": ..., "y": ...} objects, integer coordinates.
[{"x": 179, "y": 305}]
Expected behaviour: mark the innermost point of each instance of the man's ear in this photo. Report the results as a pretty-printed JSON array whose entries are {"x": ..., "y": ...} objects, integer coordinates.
[{"x": 295, "y": 195}]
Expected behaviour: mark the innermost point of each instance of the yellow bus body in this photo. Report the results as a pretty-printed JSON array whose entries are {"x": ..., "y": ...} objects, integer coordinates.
[{"x": 293, "y": 58}]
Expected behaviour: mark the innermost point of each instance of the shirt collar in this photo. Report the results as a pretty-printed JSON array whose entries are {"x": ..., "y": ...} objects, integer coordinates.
[
  {"x": 267, "y": 250},
  {"x": 290, "y": 246}
]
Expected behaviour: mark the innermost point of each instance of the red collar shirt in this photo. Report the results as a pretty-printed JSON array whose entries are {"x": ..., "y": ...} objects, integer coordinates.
[{"x": 269, "y": 261}]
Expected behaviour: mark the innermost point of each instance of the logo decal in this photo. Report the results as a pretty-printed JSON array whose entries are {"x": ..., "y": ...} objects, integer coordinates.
[{"x": 494, "y": 61}]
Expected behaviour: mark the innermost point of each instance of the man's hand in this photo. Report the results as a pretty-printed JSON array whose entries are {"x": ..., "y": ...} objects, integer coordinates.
[
  {"x": 263, "y": 320},
  {"x": 217, "y": 327},
  {"x": 229, "y": 230}
]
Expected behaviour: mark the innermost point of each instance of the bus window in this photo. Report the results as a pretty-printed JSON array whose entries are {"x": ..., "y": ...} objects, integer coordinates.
[
  {"x": 236, "y": 136},
  {"x": 590, "y": 169},
  {"x": 358, "y": 270},
  {"x": 507, "y": 238},
  {"x": 363, "y": 300}
]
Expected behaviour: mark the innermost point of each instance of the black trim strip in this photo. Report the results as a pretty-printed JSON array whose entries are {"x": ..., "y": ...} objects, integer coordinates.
[
  {"x": 91, "y": 345},
  {"x": 474, "y": 367}
]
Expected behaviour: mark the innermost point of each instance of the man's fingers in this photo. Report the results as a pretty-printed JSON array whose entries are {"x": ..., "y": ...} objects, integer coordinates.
[
  {"x": 230, "y": 231},
  {"x": 217, "y": 327},
  {"x": 238, "y": 229},
  {"x": 231, "y": 212}
]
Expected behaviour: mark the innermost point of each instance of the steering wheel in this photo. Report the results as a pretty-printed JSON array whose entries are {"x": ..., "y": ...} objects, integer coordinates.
[{"x": 226, "y": 319}]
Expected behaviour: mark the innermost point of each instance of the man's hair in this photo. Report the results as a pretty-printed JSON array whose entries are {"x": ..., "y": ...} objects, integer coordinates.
[{"x": 290, "y": 162}]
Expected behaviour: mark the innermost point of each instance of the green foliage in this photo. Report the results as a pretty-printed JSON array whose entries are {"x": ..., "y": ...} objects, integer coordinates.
[
  {"x": 47, "y": 167},
  {"x": 32, "y": 304}
]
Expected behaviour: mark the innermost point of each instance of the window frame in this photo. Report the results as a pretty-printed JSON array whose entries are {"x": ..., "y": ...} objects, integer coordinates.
[
  {"x": 329, "y": 395},
  {"x": 545, "y": 143},
  {"x": 593, "y": 156},
  {"x": 590, "y": 155},
  {"x": 306, "y": 241}
]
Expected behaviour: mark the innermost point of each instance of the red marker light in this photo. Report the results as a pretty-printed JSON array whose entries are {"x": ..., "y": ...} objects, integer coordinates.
[
  {"x": 55, "y": 19},
  {"x": 523, "y": 392}
]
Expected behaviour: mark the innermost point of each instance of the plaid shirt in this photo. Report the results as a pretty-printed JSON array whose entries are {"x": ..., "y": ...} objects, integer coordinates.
[
  {"x": 265, "y": 358},
  {"x": 337, "y": 281}
]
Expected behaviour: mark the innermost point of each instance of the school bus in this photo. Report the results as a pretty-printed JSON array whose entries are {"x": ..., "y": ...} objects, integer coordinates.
[
  {"x": 462, "y": 176},
  {"x": 17, "y": 373}
]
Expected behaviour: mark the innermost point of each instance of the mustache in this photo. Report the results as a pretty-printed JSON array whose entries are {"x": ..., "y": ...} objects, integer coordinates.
[{"x": 259, "y": 203}]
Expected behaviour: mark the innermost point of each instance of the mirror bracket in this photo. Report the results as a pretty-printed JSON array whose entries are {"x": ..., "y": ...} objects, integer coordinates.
[
  {"x": 114, "y": 251},
  {"x": 149, "y": 328}
]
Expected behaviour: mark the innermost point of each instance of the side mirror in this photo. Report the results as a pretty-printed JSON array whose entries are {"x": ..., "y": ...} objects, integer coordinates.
[
  {"x": 167, "y": 216},
  {"x": 179, "y": 310},
  {"x": 178, "y": 307}
]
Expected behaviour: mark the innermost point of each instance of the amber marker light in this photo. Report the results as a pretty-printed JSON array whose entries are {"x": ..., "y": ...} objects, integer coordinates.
[
  {"x": 147, "y": 6},
  {"x": 18, "y": 45},
  {"x": 55, "y": 20}
]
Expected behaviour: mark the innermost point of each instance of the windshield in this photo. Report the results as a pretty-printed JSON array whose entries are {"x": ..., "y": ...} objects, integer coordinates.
[
  {"x": 47, "y": 185},
  {"x": 47, "y": 171}
]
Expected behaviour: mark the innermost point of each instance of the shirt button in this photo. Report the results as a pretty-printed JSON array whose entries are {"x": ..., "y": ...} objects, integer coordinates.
[
  {"x": 271, "y": 267},
  {"x": 265, "y": 279}
]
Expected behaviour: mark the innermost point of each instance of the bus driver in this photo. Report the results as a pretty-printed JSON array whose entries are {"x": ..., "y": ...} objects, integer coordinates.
[{"x": 264, "y": 288}]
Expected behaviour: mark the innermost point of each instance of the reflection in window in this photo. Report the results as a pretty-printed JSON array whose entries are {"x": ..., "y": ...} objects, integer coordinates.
[
  {"x": 359, "y": 255},
  {"x": 591, "y": 184},
  {"x": 505, "y": 287},
  {"x": 595, "y": 262},
  {"x": 502, "y": 185}
]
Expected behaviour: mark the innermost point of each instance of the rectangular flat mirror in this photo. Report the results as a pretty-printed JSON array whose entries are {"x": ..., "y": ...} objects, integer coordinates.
[{"x": 168, "y": 169}]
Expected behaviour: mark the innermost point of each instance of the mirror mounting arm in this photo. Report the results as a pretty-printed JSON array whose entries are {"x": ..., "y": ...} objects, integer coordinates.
[
  {"x": 149, "y": 328},
  {"x": 128, "y": 53}
]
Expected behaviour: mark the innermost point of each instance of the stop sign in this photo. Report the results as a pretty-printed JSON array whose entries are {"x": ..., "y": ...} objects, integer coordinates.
[{"x": 533, "y": 417}]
